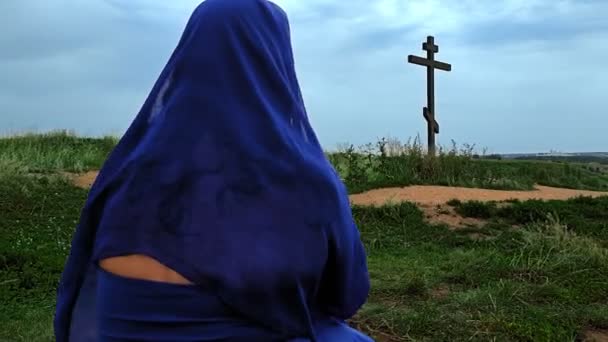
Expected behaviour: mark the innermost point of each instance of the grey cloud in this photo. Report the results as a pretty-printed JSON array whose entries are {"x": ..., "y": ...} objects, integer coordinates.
[
  {"x": 46, "y": 29},
  {"x": 380, "y": 38},
  {"x": 545, "y": 26},
  {"x": 89, "y": 65},
  {"x": 86, "y": 66},
  {"x": 322, "y": 13},
  {"x": 57, "y": 47}
]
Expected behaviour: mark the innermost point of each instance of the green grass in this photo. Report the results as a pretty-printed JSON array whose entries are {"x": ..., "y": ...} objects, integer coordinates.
[
  {"x": 387, "y": 163},
  {"x": 546, "y": 280},
  {"x": 584, "y": 215},
  {"x": 56, "y": 151},
  {"x": 390, "y": 163},
  {"x": 38, "y": 217}
]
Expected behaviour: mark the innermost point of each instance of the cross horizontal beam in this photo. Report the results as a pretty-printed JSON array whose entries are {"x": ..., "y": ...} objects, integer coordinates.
[{"x": 425, "y": 62}]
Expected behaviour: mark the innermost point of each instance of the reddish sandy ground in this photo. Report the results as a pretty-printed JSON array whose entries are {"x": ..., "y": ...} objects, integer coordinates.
[
  {"x": 427, "y": 195},
  {"x": 84, "y": 180},
  {"x": 596, "y": 336},
  {"x": 436, "y": 195},
  {"x": 431, "y": 199}
]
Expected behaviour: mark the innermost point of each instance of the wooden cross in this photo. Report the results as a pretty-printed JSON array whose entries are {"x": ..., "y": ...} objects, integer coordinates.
[{"x": 431, "y": 64}]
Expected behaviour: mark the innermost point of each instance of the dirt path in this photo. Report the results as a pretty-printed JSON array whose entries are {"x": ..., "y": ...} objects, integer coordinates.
[
  {"x": 431, "y": 199},
  {"x": 84, "y": 180},
  {"x": 596, "y": 335},
  {"x": 437, "y": 195},
  {"x": 427, "y": 195}
]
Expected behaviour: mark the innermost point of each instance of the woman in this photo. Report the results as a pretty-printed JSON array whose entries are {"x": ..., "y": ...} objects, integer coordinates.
[{"x": 217, "y": 217}]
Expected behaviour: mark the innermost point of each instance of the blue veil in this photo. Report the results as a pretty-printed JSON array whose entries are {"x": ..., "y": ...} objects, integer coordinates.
[{"x": 221, "y": 178}]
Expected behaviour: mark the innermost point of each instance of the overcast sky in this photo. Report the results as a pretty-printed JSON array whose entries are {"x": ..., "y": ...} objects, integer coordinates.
[{"x": 528, "y": 75}]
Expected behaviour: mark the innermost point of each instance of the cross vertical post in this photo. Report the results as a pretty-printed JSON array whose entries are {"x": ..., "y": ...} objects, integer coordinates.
[{"x": 431, "y": 64}]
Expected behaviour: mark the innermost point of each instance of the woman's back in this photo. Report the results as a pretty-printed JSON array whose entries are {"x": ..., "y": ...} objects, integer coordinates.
[{"x": 220, "y": 184}]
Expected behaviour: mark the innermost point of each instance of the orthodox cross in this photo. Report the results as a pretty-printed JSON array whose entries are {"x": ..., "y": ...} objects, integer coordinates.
[{"x": 431, "y": 64}]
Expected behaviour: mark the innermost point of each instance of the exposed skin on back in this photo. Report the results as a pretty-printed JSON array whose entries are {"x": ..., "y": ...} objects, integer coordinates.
[{"x": 142, "y": 267}]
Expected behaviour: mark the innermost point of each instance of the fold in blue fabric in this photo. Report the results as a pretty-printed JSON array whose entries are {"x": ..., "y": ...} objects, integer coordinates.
[
  {"x": 222, "y": 178},
  {"x": 138, "y": 310}
]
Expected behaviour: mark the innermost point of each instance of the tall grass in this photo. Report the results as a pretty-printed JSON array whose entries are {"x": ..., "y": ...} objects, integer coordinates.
[
  {"x": 391, "y": 163},
  {"x": 385, "y": 163},
  {"x": 54, "y": 151},
  {"x": 585, "y": 215}
]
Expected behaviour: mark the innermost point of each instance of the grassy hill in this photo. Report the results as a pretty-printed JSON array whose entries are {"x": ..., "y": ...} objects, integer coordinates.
[
  {"x": 532, "y": 271},
  {"x": 363, "y": 168}
]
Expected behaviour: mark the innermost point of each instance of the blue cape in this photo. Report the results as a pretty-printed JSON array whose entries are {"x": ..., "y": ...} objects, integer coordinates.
[{"x": 221, "y": 178}]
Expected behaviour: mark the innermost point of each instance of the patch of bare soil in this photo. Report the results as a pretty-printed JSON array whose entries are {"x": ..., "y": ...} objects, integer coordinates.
[
  {"x": 440, "y": 292},
  {"x": 445, "y": 214},
  {"x": 437, "y": 195},
  {"x": 431, "y": 198},
  {"x": 84, "y": 180},
  {"x": 595, "y": 335}
]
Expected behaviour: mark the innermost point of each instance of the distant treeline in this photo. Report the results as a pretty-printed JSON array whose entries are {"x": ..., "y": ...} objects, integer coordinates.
[
  {"x": 488, "y": 156},
  {"x": 568, "y": 159}
]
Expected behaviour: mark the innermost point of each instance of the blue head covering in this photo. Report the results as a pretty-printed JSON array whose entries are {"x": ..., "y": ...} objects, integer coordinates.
[{"x": 221, "y": 178}]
